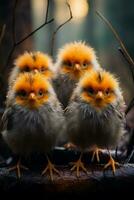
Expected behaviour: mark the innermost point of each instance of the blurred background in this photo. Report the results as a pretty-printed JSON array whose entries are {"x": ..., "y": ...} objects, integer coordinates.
[{"x": 85, "y": 26}]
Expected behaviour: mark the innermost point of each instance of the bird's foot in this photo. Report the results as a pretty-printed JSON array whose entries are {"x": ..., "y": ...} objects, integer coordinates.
[
  {"x": 50, "y": 167},
  {"x": 78, "y": 165},
  {"x": 112, "y": 163},
  {"x": 70, "y": 145},
  {"x": 96, "y": 152},
  {"x": 18, "y": 168}
]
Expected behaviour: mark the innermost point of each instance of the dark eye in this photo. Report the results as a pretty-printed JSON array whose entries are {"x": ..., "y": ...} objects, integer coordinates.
[
  {"x": 42, "y": 69},
  {"x": 85, "y": 64},
  {"x": 90, "y": 90},
  {"x": 41, "y": 93},
  {"x": 107, "y": 92},
  {"x": 26, "y": 69},
  {"x": 22, "y": 93},
  {"x": 67, "y": 63}
]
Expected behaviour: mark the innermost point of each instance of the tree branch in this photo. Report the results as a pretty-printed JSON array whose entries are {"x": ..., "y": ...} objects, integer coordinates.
[
  {"x": 126, "y": 58},
  {"x": 126, "y": 54},
  {"x": 2, "y": 33},
  {"x": 59, "y": 27},
  {"x": 47, "y": 10},
  {"x": 30, "y": 34},
  {"x": 131, "y": 104}
]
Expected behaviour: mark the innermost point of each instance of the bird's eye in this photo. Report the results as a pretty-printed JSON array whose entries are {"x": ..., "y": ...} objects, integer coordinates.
[
  {"x": 41, "y": 93},
  {"x": 85, "y": 64},
  {"x": 22, "y": 93},
  {"x": 26, "y": 69},
  {"x": 42, "y": 69},
  {"x": 91, "y": 91},
  {"x": 69, "y": 64},
  {"x": 107, "y": 92}
]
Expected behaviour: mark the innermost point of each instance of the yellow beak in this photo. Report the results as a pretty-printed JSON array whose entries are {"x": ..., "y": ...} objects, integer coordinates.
[
  {"x": 32, "y": 96},
  {"x": 99, "y": 95},
  {"x": 36, "y": 71},
  {"x": 77, "y": 66}
]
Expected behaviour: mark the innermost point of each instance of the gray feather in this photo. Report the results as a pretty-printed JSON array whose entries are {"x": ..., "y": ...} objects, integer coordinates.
[
  {"x": 64, "y": 87},
  {"x": 27, "y": 131},
  {"x": 88, "y": 127}
]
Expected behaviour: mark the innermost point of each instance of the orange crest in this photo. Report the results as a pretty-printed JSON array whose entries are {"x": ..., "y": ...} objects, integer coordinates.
[
  {"x": 76, "y": 51},
  {"x": 99, "y": 80},
  {"x": 41, "y": 60},
  {"x": 35, "y": 61},
  {"x": 24, "y": 60}
]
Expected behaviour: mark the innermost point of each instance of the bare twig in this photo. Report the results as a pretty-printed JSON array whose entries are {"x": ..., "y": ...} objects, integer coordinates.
[
  {"x": 59, "y": 27},
  {"x": 117, "y": 37},
  {"x": 126, "y": 58},
  {"x": 16, "y": 43},
  {"x": 46, "y": 18},
  {"x": 30, "y": 34},
  {"x": 2, "y": 33},
  {"x": 131, "y": 104}
]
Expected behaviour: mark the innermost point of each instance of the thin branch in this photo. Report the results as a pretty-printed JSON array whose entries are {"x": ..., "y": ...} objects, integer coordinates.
[
  {"x": 60, "y": 26},
  {"x": 131, "y": 67},
  {"x": 30, "y": 34},
  {"x": 47, "y": 10},
  {"x": 117, "y": 37},
  {"x": 2, "y": 33},
  {"x": 131, "y": 104},
  {"x": 15, "y": 44}
]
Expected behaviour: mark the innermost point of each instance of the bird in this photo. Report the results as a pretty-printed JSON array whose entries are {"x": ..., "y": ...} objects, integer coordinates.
[
  {"x": 32, "y": 62},
  {"x": 34, "y": 121},
  {"x": 95, "y": 115},
  {"x": 73, "y": 60}
]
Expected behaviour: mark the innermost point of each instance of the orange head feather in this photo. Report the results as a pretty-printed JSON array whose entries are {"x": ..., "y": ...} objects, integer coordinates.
[
  {"x": 31, "y": 90},
  {"x": 25, "y": 61},
  {"x": 35, "y": 61},
  {"x": 76, "y": 58},
  {"x": 99, "y": 88},
  {"x": 43, "y": 63}
]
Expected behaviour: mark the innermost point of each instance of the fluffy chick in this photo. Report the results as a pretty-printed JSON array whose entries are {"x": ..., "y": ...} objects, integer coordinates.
[
  {"x": 95, "y": 114},
  {"x": 73, "y": 60},
  {"x": 32, "y": 62},
  {"x": 34, "y": 120}
]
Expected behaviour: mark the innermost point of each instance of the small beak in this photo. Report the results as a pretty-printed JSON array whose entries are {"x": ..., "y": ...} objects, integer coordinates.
[
  {"x": 36, "y": 71},
  {"x": 99, "y": 96},
  {"x": 77, "y": 66},
  {"x": 31, "y": 96}
]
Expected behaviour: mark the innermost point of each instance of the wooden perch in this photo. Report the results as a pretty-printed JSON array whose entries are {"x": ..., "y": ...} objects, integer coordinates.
[{"x": 68, "y": 185}]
